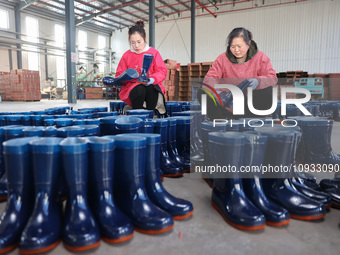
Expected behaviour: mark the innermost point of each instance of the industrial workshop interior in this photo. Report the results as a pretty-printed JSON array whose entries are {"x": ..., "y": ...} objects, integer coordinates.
[{"x": 170, "y": 127}]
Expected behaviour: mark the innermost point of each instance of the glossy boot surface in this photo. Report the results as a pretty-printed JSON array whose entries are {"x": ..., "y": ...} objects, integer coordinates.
[
  {"x": 177, "y": 207},
  {"x": 21, "y": 196},
  {"x": 127, "y": 75},
  {"x": 80, "y": 230},
  {"x": 129, "y": 187},
  {"x": 42, "y": 232},
  {"x": 147, "y": 61},
  {"x": 172, "y": 148},
  {"x": 228, "y": 197},
  {"x": 278, "y": 188},
  {"x": 317, "y": 142},
  {"x": 206, "y": 128},
  {"x": 114, "y": 226},
  {"x": 255, "y": 149},
  {"x": 168, "y": 166}
]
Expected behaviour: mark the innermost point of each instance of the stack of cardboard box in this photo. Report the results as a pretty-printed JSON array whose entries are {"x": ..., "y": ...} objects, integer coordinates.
[
  {"x": 172, "y": 79},
  {"x": 20, "y": 85}
]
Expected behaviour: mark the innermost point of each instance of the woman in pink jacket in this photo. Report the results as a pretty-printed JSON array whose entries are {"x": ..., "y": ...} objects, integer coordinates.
[
  {"x": 142, "y": 96},
  {"x": 242, "y": 60}
]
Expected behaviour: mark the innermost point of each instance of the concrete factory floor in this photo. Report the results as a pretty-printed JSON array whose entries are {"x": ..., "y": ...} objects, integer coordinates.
[{"x": 206, "y": 232}]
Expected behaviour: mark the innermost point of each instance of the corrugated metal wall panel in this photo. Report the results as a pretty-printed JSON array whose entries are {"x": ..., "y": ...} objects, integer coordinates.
[{"x": 302, "y": 36}]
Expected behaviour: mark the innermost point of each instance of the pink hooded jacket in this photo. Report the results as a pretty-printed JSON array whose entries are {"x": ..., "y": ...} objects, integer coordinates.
[
  {"x": 133, "y": 60},
  {"x": 223, "y": 71}
]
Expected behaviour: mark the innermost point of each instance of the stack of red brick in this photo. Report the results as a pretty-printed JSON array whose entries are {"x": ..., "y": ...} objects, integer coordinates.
[
  {"x": 20, "y": 85},
  {"x": 172, "y": 79}
]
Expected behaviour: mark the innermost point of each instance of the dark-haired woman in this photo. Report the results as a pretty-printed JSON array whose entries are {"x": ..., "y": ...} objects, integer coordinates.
[
  {"x": 242, "y": 60},
  {"x": 151, "y": 95}
]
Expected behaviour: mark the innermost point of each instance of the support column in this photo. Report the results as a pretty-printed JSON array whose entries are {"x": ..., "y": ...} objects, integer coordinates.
[
  {"x": 193, "y": 21},
  {"x": 46, "y": 63},
  {"x": 152, "y": 23},
  {"x": 10, "y": 60},
  {"x": 18, "y": 35},
  {"x": 70, "y": 52}
]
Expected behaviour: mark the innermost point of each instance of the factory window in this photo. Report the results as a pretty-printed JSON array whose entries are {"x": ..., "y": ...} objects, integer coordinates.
[
  {"x": 82, "y": 46},
  {"x": 4, "y": 23},
  {"x": 60, "y": 60},
  {"x": 32, "y": 34}
]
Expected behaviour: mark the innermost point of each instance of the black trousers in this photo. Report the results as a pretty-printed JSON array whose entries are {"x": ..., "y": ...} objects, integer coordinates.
[
  {"x": 141, "y": 94},
  {"x": 262, "y": 100}
]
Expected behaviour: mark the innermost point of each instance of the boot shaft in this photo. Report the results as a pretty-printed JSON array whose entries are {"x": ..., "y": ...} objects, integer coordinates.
[
  {"x": 75, "y": 161},
  {"x": 101, "y": 164}
]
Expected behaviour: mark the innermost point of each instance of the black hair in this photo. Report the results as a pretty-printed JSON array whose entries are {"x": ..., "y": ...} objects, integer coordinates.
[
  {"x": 138, "y": 28},
  {"x": 239, "y": 32}
]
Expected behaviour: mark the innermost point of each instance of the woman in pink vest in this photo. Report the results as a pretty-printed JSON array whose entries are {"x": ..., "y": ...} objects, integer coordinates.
[
  {"x": 142, "y": 96},
  {"x": 242, "y": 60}
]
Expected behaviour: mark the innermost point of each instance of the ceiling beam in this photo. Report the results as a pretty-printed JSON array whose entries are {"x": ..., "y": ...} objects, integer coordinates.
[
  {"x": 105, "y": 10},
  {"x": 24, "y": 4}
]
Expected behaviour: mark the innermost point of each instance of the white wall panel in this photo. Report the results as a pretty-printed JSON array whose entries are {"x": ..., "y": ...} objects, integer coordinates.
[{"x": 302, "y": 36}]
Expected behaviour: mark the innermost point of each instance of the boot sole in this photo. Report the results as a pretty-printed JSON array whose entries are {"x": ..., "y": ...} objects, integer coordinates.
[
  {"x": 307, "y": 218},
  {"x": 173, "y": 175},
  {"x": 154, "y": 232},
  {"x": 8, "y": 249},
  {"x": 3, "y": 199},
  {"x": 278, "y": 224},
  {"x": 119, "y": 240},
  {"x": 207, "y": 181},
  {"x": 241, "y": 227},
  {"x": 181, "y": 217},
  {"x": 336, "y": 206},
  {"x": 41, "y": 250},
  {"x": 186, "y": 170},
  {"x": 82, "y": 248}
]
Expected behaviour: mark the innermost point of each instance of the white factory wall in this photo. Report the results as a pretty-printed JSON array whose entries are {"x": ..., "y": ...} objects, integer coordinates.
[
  {"x": 302, "y": 36},
  {"x": 46, "y": 31}
]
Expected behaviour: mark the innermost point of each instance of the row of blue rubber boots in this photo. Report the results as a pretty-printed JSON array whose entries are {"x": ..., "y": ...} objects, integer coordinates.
[
  {"x": 116, "y": 203},
  {"x": 250, "y": 202}
]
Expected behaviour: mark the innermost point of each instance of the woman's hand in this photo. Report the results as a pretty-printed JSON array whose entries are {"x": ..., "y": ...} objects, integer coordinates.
[
  {"x": 253, "y": 83},
  {"x": 151, "y": 81}
]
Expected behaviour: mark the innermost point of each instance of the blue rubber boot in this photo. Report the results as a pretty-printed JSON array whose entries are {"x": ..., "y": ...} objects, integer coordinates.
[
  {"x": 149, "y": 113},
  {"x": 80, "y": 230},
  {"x": 2, "y": 163},
  {"x": 128, "y": 124},
  {"x": 20, "y": 192},
  {"x": 71, "y": 131},
  {"x": 177, "y": 207},
  {"x": 183, "y": 136},
  {"x": 255, "y": 149},
  {"x": 278, "y": 186},
  {"x": 168, "y": 166},
  {"x": 316, "y": 136},
  {"x": 90, "y": 130},
  {"x": 300, "y": 186},
  {"x": 228, "y": 197},
  {"x": 195, "y": 141},
  {"x": 50, "y": 132},
  {"x": 10, "y": 132},
  {"x": 33, "y": 131},
  {"x": 208, "y": 127},
  {"x": 147, "y": 61},
  {"x": 108, "y": 126},
  {"x": 227, "y": 97},
  {"x": 129, "y": 187},
  {"x": 127, "y": 75},
  {"x": 294, "y": 180},
  {"x": 172, "y": 148},
  {"x": 114, "y": 226},
  {"x": 42, "y": 232}
]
